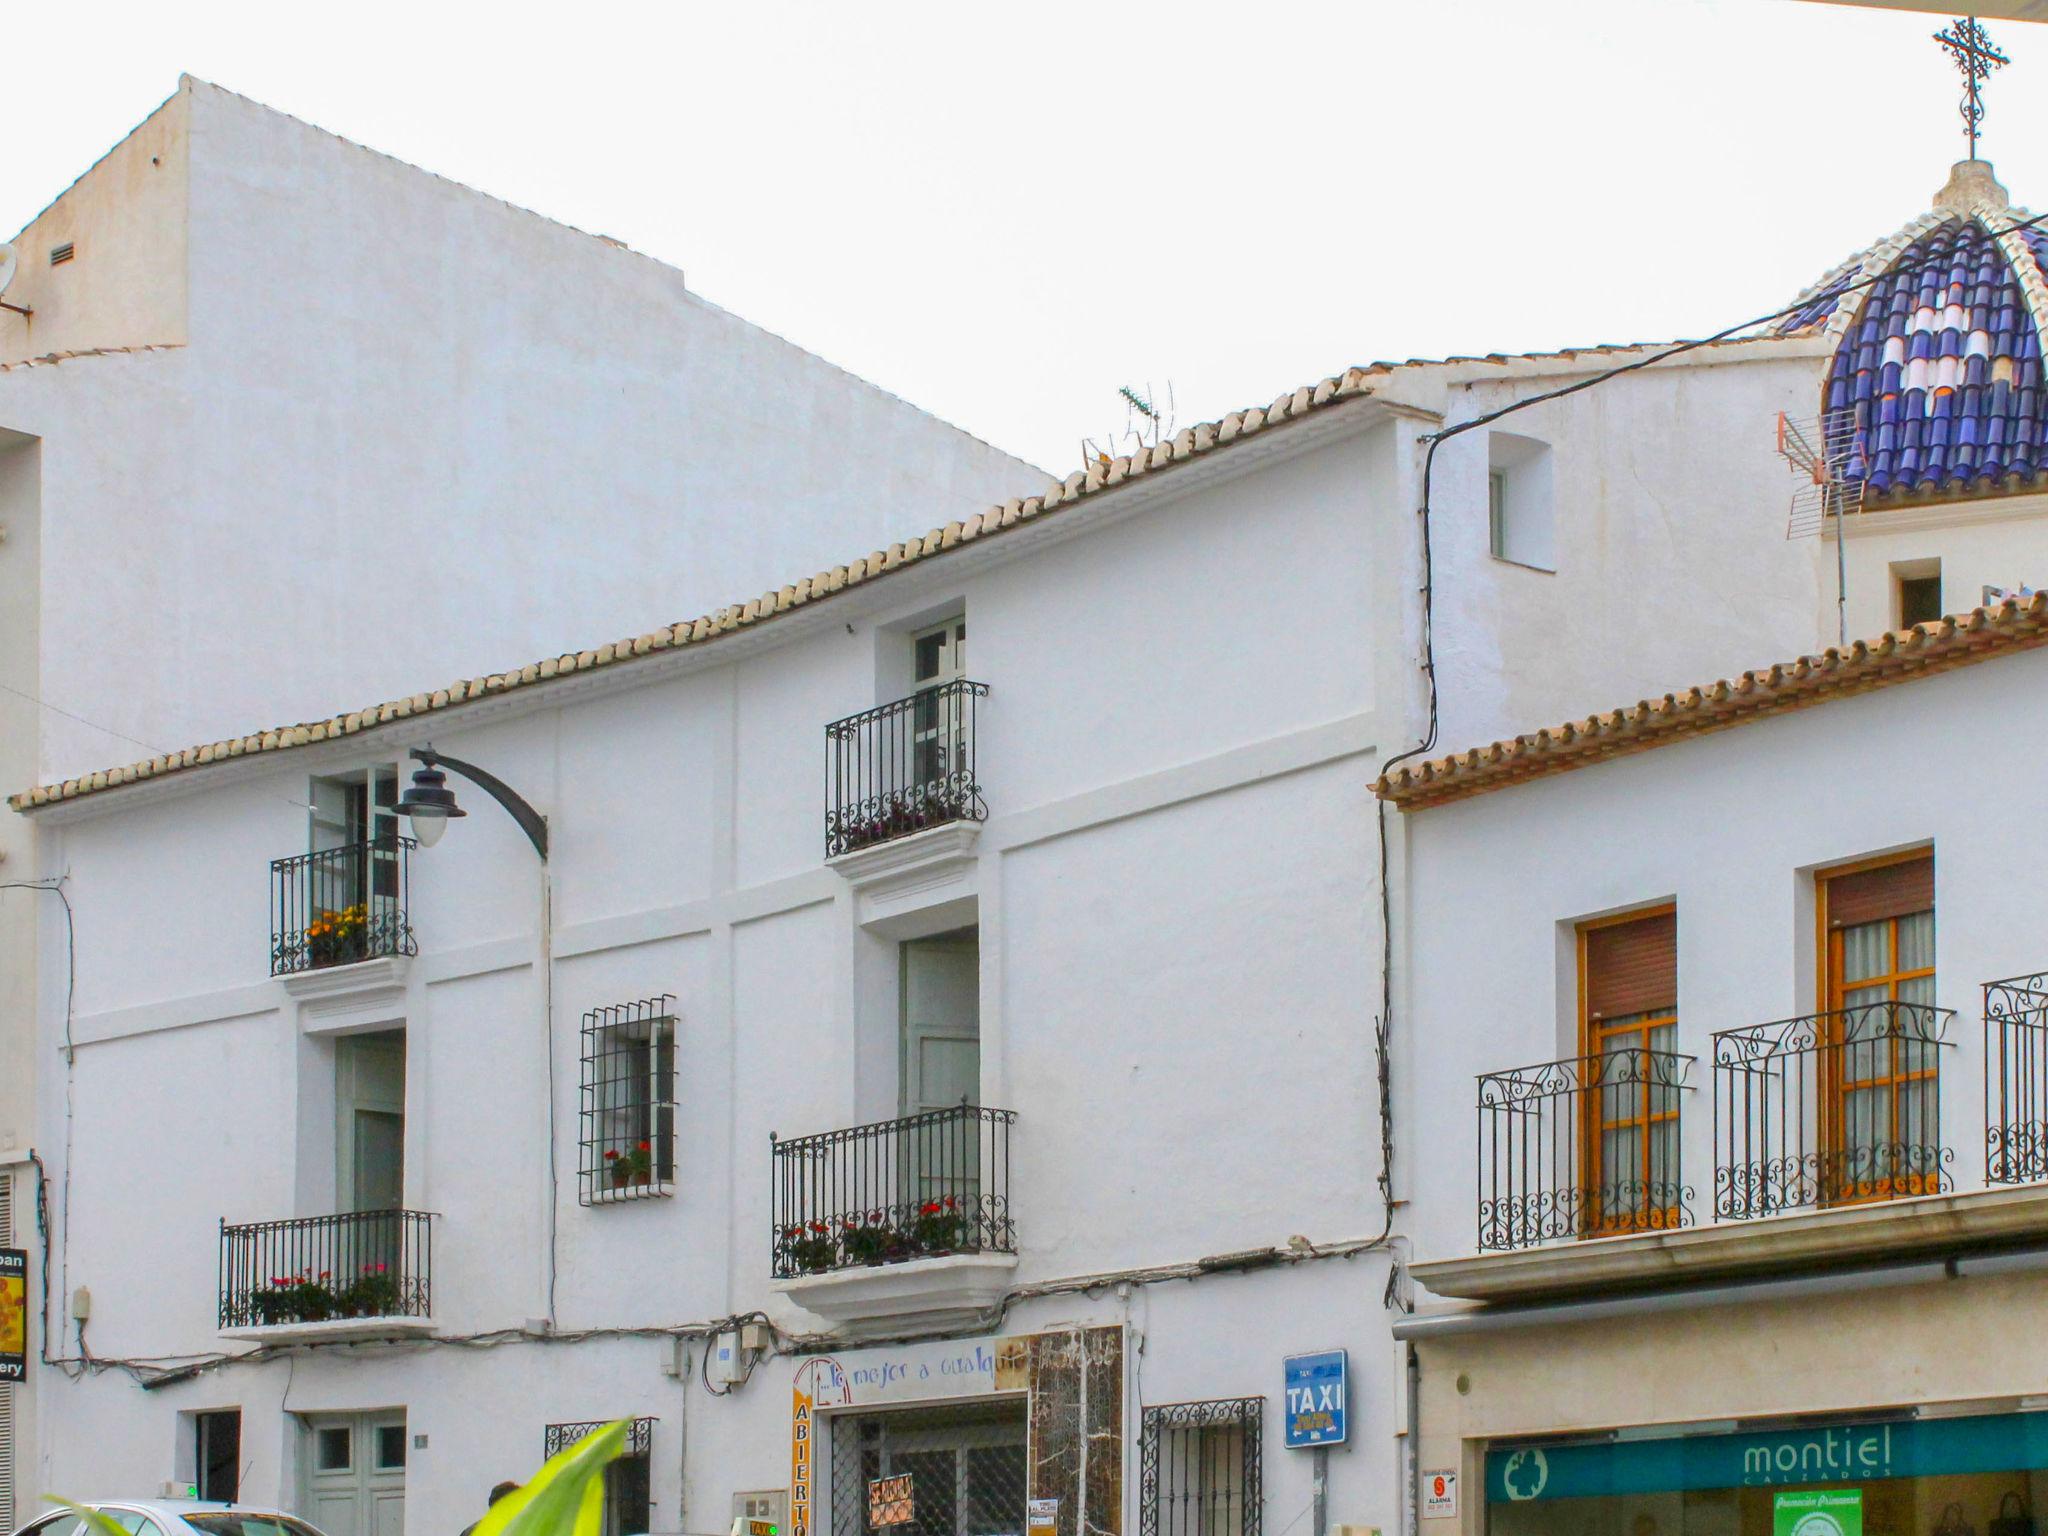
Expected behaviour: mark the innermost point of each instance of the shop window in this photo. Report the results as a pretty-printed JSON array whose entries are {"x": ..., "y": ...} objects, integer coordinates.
[
  {"x": 628, "y": 1481},
  {"x": 1629, "y": 1012},
  {"x": 627, "y": 1108},
  {"x": 952, "y": 1471},
  {"x": 1199, "y": 1469},
  {"x": 1880, "y": 1031}
]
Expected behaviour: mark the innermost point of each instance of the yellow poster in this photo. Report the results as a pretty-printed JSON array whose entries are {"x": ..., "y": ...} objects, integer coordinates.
[{"x": 13, "y": 1315}]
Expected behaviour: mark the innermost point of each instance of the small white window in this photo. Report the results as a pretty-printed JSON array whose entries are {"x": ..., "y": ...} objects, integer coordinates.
[{"x": 1521, "y": 520}]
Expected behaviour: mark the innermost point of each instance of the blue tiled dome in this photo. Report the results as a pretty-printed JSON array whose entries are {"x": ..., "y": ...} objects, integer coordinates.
[{"x": 1939, "y": 350}]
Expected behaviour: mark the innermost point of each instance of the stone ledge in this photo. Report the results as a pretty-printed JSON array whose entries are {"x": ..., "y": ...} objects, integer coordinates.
[
  {"x": 933, "y": 850},
  {"x": 1772, "y": 1245},
  {"x": 887, "y": 1298},
  {"x": 334, "y": 1330},
  {"x": 340, "y": 982}
]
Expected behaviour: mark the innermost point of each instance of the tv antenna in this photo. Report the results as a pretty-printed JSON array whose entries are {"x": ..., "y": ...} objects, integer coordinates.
[
  {"x": 1146, "y": 425},
  {"x": 1822, "y": 450}
]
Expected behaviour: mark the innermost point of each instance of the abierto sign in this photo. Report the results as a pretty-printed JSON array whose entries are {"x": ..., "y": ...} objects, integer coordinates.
[{"x": 13, "y": 1315}]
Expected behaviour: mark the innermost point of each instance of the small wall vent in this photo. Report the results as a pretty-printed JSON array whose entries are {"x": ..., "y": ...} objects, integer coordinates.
[{"x": 59, "y": 254}]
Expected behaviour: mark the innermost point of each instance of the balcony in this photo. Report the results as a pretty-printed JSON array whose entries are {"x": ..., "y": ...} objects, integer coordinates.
[
  {"x": 1830, "y": 1109},
  {"x": 2016, "y": 1080},
  {"x": 339, "y": 906},
  {"x": 361, "y": 1274},
  {"x": 1585, "y": 1147},
  {"x": 905, "y": 768},
  {"x": 904, "y": 1221}
]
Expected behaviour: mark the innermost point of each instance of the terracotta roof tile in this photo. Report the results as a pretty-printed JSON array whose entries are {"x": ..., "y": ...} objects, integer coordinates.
[{"x": 1898, "y": 657}]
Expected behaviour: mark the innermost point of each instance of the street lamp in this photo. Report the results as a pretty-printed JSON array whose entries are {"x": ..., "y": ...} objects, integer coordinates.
[{"x": 431, "y": 803}]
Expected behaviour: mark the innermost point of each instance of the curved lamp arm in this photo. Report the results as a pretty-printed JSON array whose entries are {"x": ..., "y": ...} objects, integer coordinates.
[{"x": 531, "y": 822}]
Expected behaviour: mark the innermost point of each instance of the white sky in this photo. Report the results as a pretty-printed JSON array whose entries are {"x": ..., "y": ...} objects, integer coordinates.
[{"x": 1002, "y": 213}]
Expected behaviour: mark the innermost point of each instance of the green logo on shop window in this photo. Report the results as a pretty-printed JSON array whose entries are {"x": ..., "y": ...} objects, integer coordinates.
[{"x": 1837, "y": 1512}]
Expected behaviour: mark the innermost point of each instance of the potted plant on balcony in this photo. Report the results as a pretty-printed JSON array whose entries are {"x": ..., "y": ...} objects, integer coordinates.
[
  {"x": 303, "y": 1298},
  {"x": 373, "y": 1293},
  {"x": 939, "y": 1227},
  {"x": 806, "y": 1249},
  {"x": 337, "y": 938},
  {"x": 872, "y": 1241}
]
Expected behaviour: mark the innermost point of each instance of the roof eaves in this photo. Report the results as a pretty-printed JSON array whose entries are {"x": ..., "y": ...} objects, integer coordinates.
[
  {"x": 1188, "y": 445},
  {"x": 1897, "y": 657}
]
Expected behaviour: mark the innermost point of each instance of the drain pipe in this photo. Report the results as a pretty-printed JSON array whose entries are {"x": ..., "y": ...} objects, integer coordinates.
[{"x": 1411, "y": 1517}]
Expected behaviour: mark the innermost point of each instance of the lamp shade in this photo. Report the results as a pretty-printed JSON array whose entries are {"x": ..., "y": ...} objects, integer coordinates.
[{"x": 430, "y": 803}]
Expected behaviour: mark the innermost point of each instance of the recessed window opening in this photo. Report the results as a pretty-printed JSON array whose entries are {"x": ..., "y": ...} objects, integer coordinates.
[
  {"x": 628, "y": 1109},
  {"x": 1916, "y": 593},
  {"x": 1521, "y": 518}
]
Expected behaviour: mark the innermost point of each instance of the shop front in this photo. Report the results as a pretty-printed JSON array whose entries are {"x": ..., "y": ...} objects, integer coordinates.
[
  {"x": 1020, "y": 1435},
  {"x": 1961, "y": 1475},
  {"x": 1910, "y": 1400}
]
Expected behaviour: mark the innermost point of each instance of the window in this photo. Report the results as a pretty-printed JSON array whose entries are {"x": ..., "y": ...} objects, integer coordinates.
[
  {"x": 1916, "y": 592},
  {"x": 940, "y": 657},
  {"x": 628, "y": 1481},
  {"x": 1199, "y": 1469},
  {"x": 390, "y": 1447},
  {"x": 628, "y": 1108},
  {"x": 217, "y": 1454},
  {"x": 1880, "y": 1031},
  {"x": 1628, "y": 1001},
  {"x": 1521, "y": 521},
  {"x": 333, "y": 1448}
]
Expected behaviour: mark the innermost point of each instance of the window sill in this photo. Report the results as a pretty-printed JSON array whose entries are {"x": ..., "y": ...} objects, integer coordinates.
[
  {"x": 1741, "y": 1250},
  {"x": 1522, "y": 565}
]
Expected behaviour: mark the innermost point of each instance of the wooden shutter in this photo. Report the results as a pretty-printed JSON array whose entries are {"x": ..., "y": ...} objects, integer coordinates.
[
  {"x": 1632, "y": 967},
  {"x": 1890, "y": 890}
]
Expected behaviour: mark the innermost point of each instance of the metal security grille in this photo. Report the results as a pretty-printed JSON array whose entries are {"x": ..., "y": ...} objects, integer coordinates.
[
  {"x": 628, "y": 1481},
  {"x": 628, "y": 1102},
  {"x": 966, "y": 1466},
  {"x": 6, "y": 1390},
  {"x": 1199, "y": 1469}
]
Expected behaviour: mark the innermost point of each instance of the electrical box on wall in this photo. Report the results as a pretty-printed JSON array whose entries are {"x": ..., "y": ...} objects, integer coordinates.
[
  {"x": 769, "y": 1506},
  {"x": 727, "y": 1366}
]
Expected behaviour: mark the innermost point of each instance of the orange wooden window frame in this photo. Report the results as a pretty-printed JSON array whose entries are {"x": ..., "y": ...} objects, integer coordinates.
[
  {"x": 1594, "y": 1036},
  {"x": 1836, "y": 1085}
]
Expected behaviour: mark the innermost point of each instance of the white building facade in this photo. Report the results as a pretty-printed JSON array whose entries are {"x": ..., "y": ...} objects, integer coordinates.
[
  {"x": 1740, "y": 1211},
  {"x": 933, "y": 1029},
  {"x": 284, "y": 421}
]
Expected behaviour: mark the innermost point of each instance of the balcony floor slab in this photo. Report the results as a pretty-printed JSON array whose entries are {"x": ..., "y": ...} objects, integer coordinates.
[
  {"x": 867, "y": 1300},
  {"x": 1801, "y": 1241},
  {"x": 334, "y": 1330}
]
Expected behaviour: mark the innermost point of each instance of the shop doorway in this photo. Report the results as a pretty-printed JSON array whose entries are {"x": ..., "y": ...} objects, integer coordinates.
[{"x": 965, "y": 1466}]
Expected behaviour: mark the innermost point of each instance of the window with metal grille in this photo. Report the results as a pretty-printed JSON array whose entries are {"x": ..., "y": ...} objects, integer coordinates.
[
  {"x": 628, "y": 1481},
  {"x": 1199, "y": 1469},
  {"x": 628, "y": 1106}
]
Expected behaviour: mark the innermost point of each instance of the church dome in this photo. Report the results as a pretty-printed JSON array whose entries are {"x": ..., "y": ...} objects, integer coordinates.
[{"x": 1938, "y": 334}]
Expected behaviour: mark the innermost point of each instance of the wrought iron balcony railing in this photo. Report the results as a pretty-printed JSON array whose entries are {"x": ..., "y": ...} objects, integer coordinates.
[
  {"x": 903, "y": 768},
  {"x": 2016, "y": 1080},
  {"x": 316, "y": 1269},
  {"x": 1585, "y": 1147},
  {"x": 335, "y": 906},
  {"x": 1829, "y": 1109},
  {"x": 915, "y": 1188}
]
